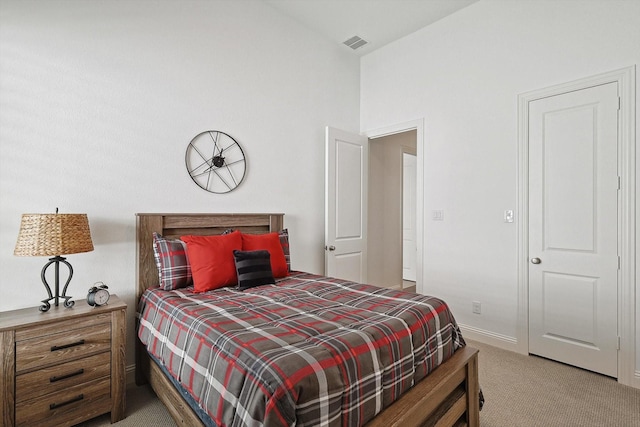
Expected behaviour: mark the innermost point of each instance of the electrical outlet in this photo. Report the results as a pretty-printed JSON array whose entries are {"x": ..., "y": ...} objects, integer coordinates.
[{"x": 476, "y": 307}]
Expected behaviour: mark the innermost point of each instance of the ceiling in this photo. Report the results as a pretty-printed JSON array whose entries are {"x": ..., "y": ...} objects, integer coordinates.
[{"x": 379, "y": 22}]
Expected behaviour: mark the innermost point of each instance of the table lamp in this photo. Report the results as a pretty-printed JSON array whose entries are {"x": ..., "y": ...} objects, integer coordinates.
[{"x": 54, "y": 235}]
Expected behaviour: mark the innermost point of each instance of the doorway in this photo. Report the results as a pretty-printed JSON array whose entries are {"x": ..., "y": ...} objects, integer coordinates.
[
  {"x": 388, "y": 232},
  {"x": 351, "y": 199}
]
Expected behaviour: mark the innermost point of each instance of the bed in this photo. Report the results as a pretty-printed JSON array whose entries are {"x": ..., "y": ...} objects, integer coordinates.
[{"x": 444, "y": 395}]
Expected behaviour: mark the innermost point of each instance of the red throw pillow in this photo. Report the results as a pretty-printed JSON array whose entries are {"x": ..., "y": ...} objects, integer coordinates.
[
  {"x": 271, "y": 243},
  {"x": 211, "y": 259}
]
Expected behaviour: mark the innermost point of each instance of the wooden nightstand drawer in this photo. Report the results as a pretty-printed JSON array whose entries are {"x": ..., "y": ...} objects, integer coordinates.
[
  {"x": 60, "y": 324},
  {"x": 63, "y": 346},
  {"x": 61, "y": 377},
  {"x": 82, "y": 401}
]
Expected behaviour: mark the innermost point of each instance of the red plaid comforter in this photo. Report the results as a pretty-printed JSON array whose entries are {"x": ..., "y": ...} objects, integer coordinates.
[{"x": 308, "y": 351}]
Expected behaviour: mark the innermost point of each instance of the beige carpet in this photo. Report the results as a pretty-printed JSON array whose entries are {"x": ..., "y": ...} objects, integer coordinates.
[
  {"x": 520, "y": 391},
  {"x": 532, "y": 391},
  {"x": 143, "y": 409}
]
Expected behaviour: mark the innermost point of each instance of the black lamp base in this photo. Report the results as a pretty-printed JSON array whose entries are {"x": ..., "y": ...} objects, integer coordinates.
[{"x": 67, "y": 299}]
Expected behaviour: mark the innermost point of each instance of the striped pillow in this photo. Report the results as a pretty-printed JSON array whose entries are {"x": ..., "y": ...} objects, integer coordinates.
[
  {"x": 284, "y": 241},
  {"x": 174, "y": 270},
  {"x": 253, "y": 268}
]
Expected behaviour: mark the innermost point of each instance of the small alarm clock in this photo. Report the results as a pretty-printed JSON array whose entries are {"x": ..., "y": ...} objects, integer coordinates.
[{"x": 98, "y": 295}]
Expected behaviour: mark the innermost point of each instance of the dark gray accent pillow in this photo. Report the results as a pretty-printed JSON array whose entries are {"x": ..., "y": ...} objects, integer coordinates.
[{"x": 253, "y": 268}]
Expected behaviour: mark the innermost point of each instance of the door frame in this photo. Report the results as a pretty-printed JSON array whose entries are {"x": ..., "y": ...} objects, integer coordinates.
[
  {"x": 418, "y": 126},
  {"x": 625, "y": 78}
]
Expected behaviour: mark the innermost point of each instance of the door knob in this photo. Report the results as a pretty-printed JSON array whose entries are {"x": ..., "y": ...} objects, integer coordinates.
[
  {"x": 536, "y": 260},
  {"x": 331, "y": 248}
]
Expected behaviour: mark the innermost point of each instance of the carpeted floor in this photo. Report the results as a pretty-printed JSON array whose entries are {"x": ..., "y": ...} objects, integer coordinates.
[
  {"x": 520, "y": 391},
  {"x": 143, "y": 409},
  {"x": 529, "y": 391}
]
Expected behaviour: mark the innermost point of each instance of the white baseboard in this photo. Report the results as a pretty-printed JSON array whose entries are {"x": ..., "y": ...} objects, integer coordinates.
[
  {"x": 491, "y": 338},
  {"x": 635, "y": 382}
]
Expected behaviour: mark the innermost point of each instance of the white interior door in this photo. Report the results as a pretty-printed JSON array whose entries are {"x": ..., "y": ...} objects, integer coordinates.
[
  {"x": 346, "y": 177},
  {"x": 573, "y": 223},
  {"x": 409, "y": 246}
]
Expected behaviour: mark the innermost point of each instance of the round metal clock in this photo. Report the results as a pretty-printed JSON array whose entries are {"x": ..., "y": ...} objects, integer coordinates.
[{"x": 215, "y": 161}]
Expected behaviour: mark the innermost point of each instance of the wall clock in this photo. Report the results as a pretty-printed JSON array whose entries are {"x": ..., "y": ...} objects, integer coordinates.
[{"x": 215, "y": 161}]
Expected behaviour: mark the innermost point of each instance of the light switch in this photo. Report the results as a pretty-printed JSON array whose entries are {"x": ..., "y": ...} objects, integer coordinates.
[
  {"x": 437, "y": 215},
  {"x": 508, "y": 216}
]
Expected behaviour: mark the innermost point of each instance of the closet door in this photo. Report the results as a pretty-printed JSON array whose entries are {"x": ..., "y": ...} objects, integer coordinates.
[{"x": 573, "y": 228}]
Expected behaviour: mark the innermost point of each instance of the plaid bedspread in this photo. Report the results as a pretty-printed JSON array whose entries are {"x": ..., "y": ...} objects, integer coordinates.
[{"x": 308, "y": 351}]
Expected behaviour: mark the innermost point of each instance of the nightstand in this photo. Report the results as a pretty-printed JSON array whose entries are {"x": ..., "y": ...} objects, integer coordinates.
[{"x": 64, "y": 366}]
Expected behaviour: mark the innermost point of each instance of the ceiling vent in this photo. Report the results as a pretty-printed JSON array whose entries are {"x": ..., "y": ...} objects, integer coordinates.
[{"x": 355, "y": 42}]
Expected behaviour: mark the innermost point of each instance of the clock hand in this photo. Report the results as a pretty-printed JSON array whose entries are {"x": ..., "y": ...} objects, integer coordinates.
[{"x": 215, "y": 143}]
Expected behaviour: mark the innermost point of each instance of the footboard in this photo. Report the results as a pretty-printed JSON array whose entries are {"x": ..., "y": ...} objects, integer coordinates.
[{"x": 449, "y": 396}]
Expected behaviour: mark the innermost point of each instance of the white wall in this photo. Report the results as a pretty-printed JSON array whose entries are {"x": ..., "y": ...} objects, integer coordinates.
[
  {"x": 99, "y": 99},
  {"x": 463, "y": 75}
]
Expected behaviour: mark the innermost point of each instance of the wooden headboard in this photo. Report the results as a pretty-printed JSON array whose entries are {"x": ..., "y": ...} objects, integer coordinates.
[{"x": 174, "y": 225}]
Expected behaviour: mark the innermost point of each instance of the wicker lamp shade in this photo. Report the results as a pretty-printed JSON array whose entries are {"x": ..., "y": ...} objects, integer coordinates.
[{"x": 53, "y": 234}]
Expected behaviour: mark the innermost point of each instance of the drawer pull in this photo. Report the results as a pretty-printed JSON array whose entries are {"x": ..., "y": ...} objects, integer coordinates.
[
  {"x": 62, "y": 347},
  {"x": 58, "y": 405},
  {"x": 64, "y": 377}
]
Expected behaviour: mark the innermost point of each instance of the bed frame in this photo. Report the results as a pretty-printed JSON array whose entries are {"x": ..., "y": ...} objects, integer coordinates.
[{"x": 449, "y": 396}]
